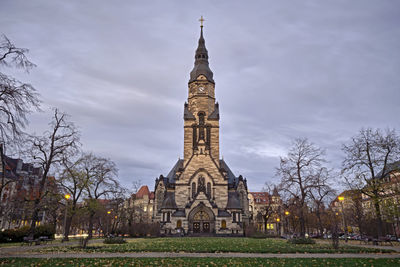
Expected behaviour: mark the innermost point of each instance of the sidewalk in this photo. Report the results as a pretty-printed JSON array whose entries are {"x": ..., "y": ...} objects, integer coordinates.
[{"x": 395, "y": 248}]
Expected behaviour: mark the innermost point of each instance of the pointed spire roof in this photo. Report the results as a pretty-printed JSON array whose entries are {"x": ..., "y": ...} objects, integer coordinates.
[{"x": 201, "y": 61}]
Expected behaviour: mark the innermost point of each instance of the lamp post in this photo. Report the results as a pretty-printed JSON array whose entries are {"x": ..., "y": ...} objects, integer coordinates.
[
  {"x": 341, "y": 199},
  {"x": 287, "y": 213},
  {"x": 67, "y": 197},
  {"x": 278, "y": 223},
  {"x": 108, "y": 218}
]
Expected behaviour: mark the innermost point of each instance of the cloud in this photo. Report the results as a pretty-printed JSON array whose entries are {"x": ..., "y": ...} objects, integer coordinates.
[{"x": 315, "y": 69}]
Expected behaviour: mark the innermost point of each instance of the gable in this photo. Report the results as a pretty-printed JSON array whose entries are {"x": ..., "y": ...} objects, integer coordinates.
[{"x": 205, "y": 164}]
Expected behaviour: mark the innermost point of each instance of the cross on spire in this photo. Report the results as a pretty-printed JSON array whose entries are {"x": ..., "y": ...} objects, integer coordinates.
[{"x": 201, "y": 21}]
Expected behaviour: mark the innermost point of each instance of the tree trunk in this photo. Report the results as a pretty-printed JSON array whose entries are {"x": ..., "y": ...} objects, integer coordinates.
[
  {"x": 302, "y": 223},
  {"x": 67, "y": 228},
  {"x": 321, "y": 228},
  {"x": 265, "y": 224},
  {"x": 90, "y": 227},
  {"x": 335, "y": 235},
  {"x": 379, "y": 223},
  {"x": 90, "y": 230},
  {"x": 35, "y": 217}
]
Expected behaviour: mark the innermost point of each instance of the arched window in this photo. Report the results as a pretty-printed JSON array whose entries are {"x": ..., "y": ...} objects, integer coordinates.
[
  {"x": 201, "y": 117},
  {"x": 193, "y": 189},
  {"x": 179, "y": 224},
  {"x": 201, "y": 125},
  {"x": 209, "y": 190},
  {"x": 202, "y": 185},
  {"x": 223, "y": 224}
]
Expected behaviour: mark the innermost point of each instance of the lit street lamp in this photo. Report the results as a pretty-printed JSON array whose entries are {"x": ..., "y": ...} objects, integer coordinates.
[
  {"x": 341, "y": 199},
  {"x": 287, "y": 222},
  {"x": 67, "y": 197},
  {"x": 278, "y": 220},
  {"x": 108, "y": 221}
]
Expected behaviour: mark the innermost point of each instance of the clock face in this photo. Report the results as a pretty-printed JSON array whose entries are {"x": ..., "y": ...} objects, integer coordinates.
[{"x": 201, "y": 89}]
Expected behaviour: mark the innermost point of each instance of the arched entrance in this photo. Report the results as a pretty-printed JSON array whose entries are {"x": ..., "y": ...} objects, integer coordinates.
[{"x": 201, "y": 220}]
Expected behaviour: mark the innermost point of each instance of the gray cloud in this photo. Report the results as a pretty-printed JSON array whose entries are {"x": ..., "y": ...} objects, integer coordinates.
[{"x": 316, "y": 69}]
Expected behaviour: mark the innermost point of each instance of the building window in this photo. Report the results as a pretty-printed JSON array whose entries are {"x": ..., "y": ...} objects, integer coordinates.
[
  {"x": 201, "y": 118},
  {"x": 202, "y": 185},
  {"x": 179, "y": 224},
  {"x": 234, "y": 216},
  {"x": 223, "y": 224},
  {"x": 209, "y": 190},
  {"x": 168, "y": 217},
  {"x": 193, "y": 190}
]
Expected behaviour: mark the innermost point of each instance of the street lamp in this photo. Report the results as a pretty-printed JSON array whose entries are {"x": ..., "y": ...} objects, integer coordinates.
[
  {"x": 278, "y": 226},
  {"x": 67, "y": 197},
  {"x": 341, "y": 199},
  {"x": 108, "y": 221},
  {"x": 287, "y": 213}
]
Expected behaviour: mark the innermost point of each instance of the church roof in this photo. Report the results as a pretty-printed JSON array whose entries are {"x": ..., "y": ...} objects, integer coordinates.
[
  {"x": 179, "y": 213},
  {"x": 169, "y": 201},
  {"x": 187, "y": 115},
  {"x": 231, "y": 177},
  {"x": 201, "y": 66},
  {"x": 215, "y": 114},
  {"x": 223, "y": 213},
  {"x": 233, "y": 200},
  {"x": 172, "y": 174}
]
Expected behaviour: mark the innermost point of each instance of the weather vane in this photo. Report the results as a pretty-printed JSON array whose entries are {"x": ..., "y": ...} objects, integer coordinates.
[{"x": 201, "y": 21}]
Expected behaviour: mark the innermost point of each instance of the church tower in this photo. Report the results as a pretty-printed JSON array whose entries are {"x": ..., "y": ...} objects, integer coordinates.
[
  {"x": 201, "y": 113},
  {"x": 201, "y": 195}
]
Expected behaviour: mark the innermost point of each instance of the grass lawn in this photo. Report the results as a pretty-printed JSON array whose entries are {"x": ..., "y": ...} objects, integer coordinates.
[
  {"x": 197, "y": 262},
  {"x": 213, "y": 244}
]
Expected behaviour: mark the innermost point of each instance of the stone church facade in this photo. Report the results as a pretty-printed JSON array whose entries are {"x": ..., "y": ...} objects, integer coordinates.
[{"x": 201, "y": 195}]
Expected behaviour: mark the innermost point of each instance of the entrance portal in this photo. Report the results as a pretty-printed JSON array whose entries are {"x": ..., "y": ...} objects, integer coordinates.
[{"x": 201, "y": 220}]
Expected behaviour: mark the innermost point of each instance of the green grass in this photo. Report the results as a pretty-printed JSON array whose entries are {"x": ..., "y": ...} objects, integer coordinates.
[
  {"x": 197, "y": 262},
  {"x": 213, "y": 244}
]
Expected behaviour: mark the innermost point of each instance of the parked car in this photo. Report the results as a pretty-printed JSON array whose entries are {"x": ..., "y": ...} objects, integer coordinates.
[{"x": 391, "y": 237}]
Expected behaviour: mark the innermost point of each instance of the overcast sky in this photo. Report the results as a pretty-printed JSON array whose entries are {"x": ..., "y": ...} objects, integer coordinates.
[{"x": 283, "y": 69}]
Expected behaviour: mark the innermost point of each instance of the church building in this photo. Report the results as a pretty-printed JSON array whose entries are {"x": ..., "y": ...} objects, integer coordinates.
[{"x": 201, "y": 195}]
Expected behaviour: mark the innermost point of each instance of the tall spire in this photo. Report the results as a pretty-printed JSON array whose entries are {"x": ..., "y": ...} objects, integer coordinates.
[{"x": 201, "y": 59}]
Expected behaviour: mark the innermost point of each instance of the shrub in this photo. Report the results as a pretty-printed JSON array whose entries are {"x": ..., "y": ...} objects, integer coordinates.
[
  {"x": 45, "y": 230},
  {"x": 114, "y": 240},
  {"x": 298, "y": 241},
  {"x": 144, "y": 229},
  {"x": 17, "y": 235},
  {"x": 14, "y": 235},
  {"x": 252, "y": 231}
]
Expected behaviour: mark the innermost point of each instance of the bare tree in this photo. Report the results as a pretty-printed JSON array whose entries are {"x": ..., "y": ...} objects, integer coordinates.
[
  {"x": 17, "y": 99},
  {"x": 270, "y": 208},
  {"x": 366, "y": 164},
  {"x": 299, "y": 172},
  {"x": 319, "y": 195},
  {"x": 73, "y": 180},
  {"x": 102, "y": 183},
  {"x": 48, "y": 151},
  {"x": 355, "y": 211}
]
